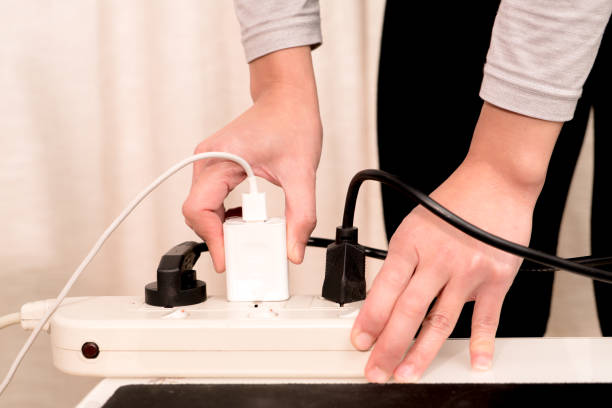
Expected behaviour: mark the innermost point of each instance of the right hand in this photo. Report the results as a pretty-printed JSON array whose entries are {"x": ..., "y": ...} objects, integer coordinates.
[{"x": 280, "y": 136}]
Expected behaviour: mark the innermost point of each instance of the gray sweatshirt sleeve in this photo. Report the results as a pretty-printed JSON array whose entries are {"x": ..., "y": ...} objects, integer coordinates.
[
  {"x": 271, "y": 25},
  {"x": 541, "y": 54}
]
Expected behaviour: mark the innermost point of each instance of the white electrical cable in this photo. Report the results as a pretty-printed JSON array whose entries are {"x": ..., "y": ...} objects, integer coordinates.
[
  {"x": 9, "y": 320},
  {"x": 94, "y": 250}
]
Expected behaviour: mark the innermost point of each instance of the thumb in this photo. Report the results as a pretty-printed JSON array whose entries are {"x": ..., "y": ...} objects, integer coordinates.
[{"x": 300, "y": 211}]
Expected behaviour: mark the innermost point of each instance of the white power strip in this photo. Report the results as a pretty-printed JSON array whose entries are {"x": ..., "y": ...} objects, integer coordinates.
[{"x": 303, "y": 337}]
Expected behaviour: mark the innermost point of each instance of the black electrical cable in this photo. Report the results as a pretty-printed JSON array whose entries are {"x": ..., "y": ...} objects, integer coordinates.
[
  {"x": 325, "y": 242},
  {"x": 381, "y": 254},
  {"x": 377, "y": 253},
  {"x": 319, "y": 242},
  {"x": 583, "y": 260},
  {"x": 540, "y": 257}
]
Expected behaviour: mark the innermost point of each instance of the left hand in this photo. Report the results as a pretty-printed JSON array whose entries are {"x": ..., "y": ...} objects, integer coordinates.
[{"x": 430, "y": 260}]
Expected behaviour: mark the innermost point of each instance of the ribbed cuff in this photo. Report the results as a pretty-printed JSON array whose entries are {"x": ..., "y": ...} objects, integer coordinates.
[
  {"x": 290, "y": 34},
  {"x": 528, "y": 102}
]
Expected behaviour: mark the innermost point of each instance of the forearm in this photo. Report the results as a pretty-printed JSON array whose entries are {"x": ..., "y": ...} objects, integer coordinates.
[{"x": 515, "y": 147}]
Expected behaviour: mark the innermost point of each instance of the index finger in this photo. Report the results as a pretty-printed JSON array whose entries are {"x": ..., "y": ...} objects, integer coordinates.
[
  {"x": 203, "y": 209},
  {"x": 387, "y": 287}
]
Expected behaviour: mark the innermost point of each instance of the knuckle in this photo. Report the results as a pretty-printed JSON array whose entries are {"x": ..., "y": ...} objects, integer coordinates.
[
  {"x": 411, "y": 307},
  {"x": 499, "y": 275},
  {"x": 189, "y": 210},
  {"x": 202, "y": 147},
  {"x": 394, "y": 277},
  {"x": 477, "y": 261},
  {"x": 211, "y": 144},
  {"x": 308, "y": 221},
  {"x": 439, "y": 322},
  {"x": 490, "y": 269},
  {"x": 374, "y": 318},
  {"x": 485, "y": 325}
]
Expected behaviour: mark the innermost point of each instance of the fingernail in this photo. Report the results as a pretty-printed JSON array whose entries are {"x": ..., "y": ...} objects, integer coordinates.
[
  {"x": 363, "y": 341},
  {"x": 406, "y": 374},
  {"x": 377, "y": 375},
  {"x": 481, "y": 363}
]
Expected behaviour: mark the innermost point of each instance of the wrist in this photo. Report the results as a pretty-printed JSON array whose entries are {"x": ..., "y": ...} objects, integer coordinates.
[
  {"x": 514, "y": 147},
  {"x": 490, "y": 178},
  {"x": 284, "y": 81},
  {"x": 286, "y": 71}
]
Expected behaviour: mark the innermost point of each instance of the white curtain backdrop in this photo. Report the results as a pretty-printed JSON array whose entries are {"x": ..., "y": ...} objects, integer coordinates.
[{"x": 97, "y": 98}]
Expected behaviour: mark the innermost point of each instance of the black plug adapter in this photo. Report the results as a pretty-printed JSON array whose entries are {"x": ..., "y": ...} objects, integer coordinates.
[
  {"x": 176, "y": 283},
  {"x": 345, "y": 268}
]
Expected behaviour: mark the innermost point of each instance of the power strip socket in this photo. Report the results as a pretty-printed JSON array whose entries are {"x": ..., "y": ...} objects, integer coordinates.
[{"x": 303, "y": 337}]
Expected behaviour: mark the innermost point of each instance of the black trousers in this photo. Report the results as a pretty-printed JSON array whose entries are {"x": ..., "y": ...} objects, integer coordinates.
[{"x": 428, "y": 105}]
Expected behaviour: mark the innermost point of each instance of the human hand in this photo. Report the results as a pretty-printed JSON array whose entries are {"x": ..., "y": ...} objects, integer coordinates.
[
  {"x": 280, "y": 137},
  {"x": 495, "y": 188},
  {"x": 430, "y": 259}
]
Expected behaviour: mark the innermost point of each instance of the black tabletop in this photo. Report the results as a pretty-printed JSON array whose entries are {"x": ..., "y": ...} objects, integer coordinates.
[{"x": 360, "y": 395}]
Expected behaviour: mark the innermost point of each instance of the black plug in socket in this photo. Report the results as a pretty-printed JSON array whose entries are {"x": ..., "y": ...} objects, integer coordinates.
[
  {"x": 176, "y": 280},
  {"x": 345, "y": 268}
]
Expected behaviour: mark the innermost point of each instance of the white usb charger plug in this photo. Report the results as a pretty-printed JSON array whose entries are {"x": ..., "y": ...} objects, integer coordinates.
[{"x": 255, "y": 252}]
